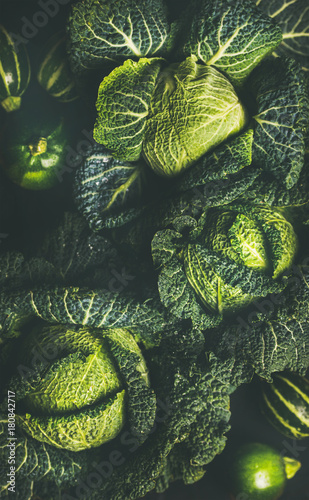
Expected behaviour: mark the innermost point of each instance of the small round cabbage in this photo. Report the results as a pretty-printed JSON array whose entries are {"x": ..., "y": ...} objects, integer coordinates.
[
  {"x": 192, "y": 110},
  {"x": 75, "y": 398},
  {"x": 259, "y": 240}
]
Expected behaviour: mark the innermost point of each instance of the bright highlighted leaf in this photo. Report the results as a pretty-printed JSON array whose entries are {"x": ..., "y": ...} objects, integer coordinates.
[
  {"x": 193, "y": 109},
  {"x": 123, "y": 106},
  {"x": 232, "y": 35},
  {"x": 293, "y": 18},
  {"x": 101, "y": 31},
  {"x": 281, "y": 92}
]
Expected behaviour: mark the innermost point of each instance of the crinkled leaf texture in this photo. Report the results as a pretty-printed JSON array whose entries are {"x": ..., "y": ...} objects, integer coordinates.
[
  {"x": 293, "y": 19},
  {"x": 123, "y": 106},
  {"x": 232, "y": 35},
  {"x": 78, "y": 306},
  {"x": 107, "y": 189},
  {"x": 266, "y": 189},
  {"x": 282, "y": 118},
  {"x": 271, "y": 337},
  {"x": 193, "y": 109},
  {"x": 101, "y": 31}
]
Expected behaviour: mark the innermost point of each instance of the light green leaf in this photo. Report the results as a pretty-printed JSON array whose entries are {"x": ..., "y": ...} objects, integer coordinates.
[
  {"x": 95, "y": 425},
  {"x": 123, "y": 106},
  {"x": 80, "y": 378},
  {"x": 232, "y": 35},
  {"x": 281, "y": 238},
  {"x": 193, "y": 109}
]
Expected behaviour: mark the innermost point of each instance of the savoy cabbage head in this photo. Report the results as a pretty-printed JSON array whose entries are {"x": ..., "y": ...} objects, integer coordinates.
[{"x": 229, "y": 259}]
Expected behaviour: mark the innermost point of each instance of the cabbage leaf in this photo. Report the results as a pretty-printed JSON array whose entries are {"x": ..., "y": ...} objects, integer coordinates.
[
  {"x": 293, "y": 18},
  {"x": 282, "y": 96},
  {"x": 101, "y": 31},
  {"x": 234, "y": 36}
]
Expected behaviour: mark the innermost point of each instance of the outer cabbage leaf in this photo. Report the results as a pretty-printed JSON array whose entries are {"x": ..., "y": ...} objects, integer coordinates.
[
  {"x": 293, "y": 18},
  {"x": 232, "y": 35},
  {"x": 281, "y": 92},
  {"x": 75, "y": 306},
  {"x": 267, "y": 190},
  {"x": 105, "y": 187},
  {"x": 36, "y": 461},
  {"x": 179, "y": 298},
  {"x": 123, "y": 106},
  {"x": 76, "y": 253},
  {"x": 271, "y": 337},
  {"x": 16, "y": 271},
  {"x": 100, "y": 31}
]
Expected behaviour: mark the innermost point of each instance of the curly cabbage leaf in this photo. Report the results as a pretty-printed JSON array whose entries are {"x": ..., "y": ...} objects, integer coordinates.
[
  {"x": 123, "y": 103},
  {"x": 271, "y": 337},
  {"x": 293, "y": 18},
  {"x": 193, "y": 109},
  {"x": 67, "y": 254},
  {"x": 282, "y": 96},
  {"x": 78, "y": 306},
  {"x": 100, "y": 31},
  {"x": 267, "y": 190},
  {"x": 234, "y": 36},
  {"x": 105, "y": 187},
  {"x": 37, "y": 461}
]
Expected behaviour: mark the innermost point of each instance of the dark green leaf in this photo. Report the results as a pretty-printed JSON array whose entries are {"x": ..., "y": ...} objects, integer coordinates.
[
  {"x": 101, "y": 31},
  {"x": 107, "y": 189},
  {"x": 281, "y": 92},
  {"x": 293, "y": 19},
  {"x": 232, "y": 35}
]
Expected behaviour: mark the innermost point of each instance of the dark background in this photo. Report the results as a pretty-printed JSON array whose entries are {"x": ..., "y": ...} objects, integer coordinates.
[{"x": 25, "y": 215}]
